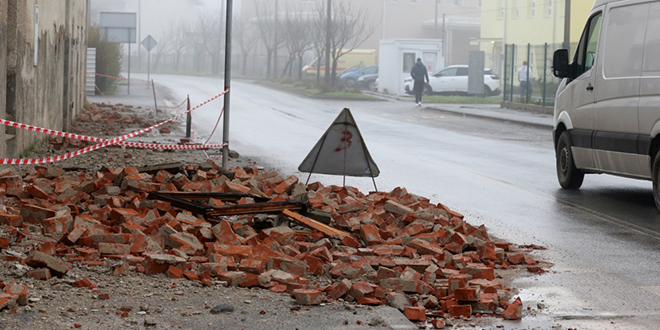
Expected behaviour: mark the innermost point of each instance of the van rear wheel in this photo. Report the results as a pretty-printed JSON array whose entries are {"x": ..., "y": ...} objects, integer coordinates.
[{"x": 570, "y": 177}]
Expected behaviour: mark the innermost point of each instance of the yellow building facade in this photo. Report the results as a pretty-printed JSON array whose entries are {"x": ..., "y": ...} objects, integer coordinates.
[{"x": 523, "y": 22}]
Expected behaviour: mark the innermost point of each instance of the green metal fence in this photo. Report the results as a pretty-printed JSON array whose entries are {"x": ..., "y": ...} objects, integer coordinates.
[{"x": 543, "y": 85}]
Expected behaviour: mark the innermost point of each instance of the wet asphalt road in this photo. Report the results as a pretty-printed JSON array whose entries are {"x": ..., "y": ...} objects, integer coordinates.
[{"x": 603, "y": 239}]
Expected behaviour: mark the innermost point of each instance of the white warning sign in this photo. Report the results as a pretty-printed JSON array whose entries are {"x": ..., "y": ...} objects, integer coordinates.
[{"x": 341, "y": 151}]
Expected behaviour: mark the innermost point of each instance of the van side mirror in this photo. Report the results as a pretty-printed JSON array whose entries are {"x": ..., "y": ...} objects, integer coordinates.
[{"x": 560, "y": 67}]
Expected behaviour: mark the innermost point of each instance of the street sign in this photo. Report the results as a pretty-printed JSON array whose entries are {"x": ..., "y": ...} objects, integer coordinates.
[
  {"x": 149, "y": 43},
  {"x": 118, "y": 27}
]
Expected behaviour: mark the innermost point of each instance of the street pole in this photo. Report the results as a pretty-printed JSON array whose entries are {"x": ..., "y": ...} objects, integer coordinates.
[
  {"x": 567, "y": 25},
  {"x": 327, "y": 43},
  {"x": 276, "y": 44},
  {"x": 139, "y": 34},
  {"x": 225, "y": 127}
]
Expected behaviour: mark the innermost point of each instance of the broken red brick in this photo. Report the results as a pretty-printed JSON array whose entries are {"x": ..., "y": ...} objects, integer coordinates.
[{"x": 415, "y": 313}]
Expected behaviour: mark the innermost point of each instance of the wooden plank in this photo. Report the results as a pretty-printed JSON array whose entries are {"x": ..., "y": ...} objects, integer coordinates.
[{"x": 313, "y": 224}]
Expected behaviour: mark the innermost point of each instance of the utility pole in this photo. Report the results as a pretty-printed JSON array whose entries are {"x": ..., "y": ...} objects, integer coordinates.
[
  {"x": 567, "y": 25},
  {"x": 327, "y": 43},
  {"x": 276, "y": 27}
]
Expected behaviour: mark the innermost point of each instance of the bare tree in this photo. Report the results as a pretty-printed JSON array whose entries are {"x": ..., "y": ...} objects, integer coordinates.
[
  {"x": 349, "y": 29},
  {"x": 178, "y": 34},
  {"x": 297, "y": 38},
  {"x": 162, "y": 49},
  {"x": 244, "y": 34},
  {"x": 267, "y": 26},
  {"x": 207, "y": 39}
]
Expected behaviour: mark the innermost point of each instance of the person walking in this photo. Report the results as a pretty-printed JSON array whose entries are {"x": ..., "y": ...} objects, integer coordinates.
[
  {"x": 421, "y": 77},
  {"x": 525, "y": 78}
]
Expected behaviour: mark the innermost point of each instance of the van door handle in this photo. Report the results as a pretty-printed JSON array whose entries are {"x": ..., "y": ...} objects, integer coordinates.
[{"x": 590, "y": 88}]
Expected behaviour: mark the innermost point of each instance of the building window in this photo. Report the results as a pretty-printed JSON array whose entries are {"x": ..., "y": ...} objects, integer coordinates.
[
  {"x": 533, "y": 8},
  {"x": 550, "y": 8},
  {"x": 502, "y": 8}
]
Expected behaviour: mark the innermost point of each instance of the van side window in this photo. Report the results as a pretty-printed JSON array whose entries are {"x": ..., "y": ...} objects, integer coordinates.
[{"x": 586, "y": 52}]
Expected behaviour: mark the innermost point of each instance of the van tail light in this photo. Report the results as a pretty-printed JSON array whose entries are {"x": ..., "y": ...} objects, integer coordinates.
[{"x": 495, "y": 77}]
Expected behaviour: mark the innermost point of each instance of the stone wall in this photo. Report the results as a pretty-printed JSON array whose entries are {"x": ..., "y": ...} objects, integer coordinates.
[{"x": 46, "y": 90}]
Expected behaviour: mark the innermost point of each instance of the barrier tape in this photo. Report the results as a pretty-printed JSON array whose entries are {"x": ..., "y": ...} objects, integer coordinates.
[
  {"x": 103, "y": 142},
  {"x": 116, "y": 78}
]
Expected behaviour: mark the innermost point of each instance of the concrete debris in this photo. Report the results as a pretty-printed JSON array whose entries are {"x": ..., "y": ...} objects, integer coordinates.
[{"x": 391, "y": 248}]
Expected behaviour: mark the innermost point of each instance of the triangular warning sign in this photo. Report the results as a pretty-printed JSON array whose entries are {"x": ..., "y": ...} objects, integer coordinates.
[{"x": 341, "y": 151}]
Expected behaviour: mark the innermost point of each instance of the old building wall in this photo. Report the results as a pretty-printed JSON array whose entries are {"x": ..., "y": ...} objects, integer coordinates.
[{"x": 45, "y": 90}]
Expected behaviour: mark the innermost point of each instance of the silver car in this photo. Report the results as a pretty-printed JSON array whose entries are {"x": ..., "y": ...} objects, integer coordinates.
[{"x": 454, "y": 80}]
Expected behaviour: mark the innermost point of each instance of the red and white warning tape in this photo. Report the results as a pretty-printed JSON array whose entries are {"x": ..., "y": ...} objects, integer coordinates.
[{"x": 102, "y": 142}]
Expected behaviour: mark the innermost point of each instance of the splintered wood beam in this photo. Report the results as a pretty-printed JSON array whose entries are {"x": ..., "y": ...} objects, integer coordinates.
[
  {"x": 223, "y": 196},
  {"x": 313, "y": 224},
  {"x": 255, "y": 208}
]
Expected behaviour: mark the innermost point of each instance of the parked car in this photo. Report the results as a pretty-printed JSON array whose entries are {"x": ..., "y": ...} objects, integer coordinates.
[
  {"x": 351, "y": 69},
  {"x": 454, "y": 80},
  {"x": 367, "y": 81},
  {"x": 350, "y": 78}
]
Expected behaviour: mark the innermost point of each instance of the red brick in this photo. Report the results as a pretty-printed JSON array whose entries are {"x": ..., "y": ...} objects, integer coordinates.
[
  {"x": 350, "y": 241},
  {"x": 415, "y": 313},
  {"x": 340, "y": 289},
  {"x": 308, "y": 297},
  {"x": 36, "y": 214},
  {"x": 174, "y": 272},
  {"x": 516, "y": 257},
  {"x": 225, "y": 234},
  {"x": 467, "y": 294},
  {"x": 361, "y": 289},
  {"x": 38, "y": 259},
  {"x": 252, "y": 280},
  {"x": 8, "y": 300},
  {"x": 460, "y": 310},
  {"x": 14, "y": 220},
  {"x": 438, "y": 323},
  {"x": 370, "y": 301},
  {"x": 514, "y": 311},
  {"x": 191, "y": 276},
  {"x": 121, "y": 269},
  {"x": 253, "y": 265},
  {"x": 84, "y": 283},
  {"x": 159, "y": 263},
  {"x": 4, "y": 243},
  {"x": 20, "y": 290},
  {"x": 42, "y": 274},
  {"x": 114, "y": 249},
  {"x": 370, "y": 235},
  {"x": 232, "y": 278}
]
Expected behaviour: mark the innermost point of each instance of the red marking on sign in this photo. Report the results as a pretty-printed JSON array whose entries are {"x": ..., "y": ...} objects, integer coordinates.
[{"x": 345, "y": 141}]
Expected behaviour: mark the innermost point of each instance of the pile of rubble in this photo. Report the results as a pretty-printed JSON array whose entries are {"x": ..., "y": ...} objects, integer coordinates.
[{"x": 249, "y": 228}]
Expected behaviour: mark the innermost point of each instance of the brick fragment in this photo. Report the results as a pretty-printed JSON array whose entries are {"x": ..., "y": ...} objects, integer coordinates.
[
  {"x": 38, "y": 259},
  {"x": 19, "y": 290},
  {"x": 514, "y": 311},
  {"x": 42, "y": 274},
  {"x": 415, "y": 313},
  {"x": 308, "y": 296}
]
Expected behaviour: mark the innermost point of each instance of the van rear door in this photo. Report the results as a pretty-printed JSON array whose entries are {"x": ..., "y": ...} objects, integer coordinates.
[
  {"x": 649, "y": 95},
  {"x": 616, "y": 126}
]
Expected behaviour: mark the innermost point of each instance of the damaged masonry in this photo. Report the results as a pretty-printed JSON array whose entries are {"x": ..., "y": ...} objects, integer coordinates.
[{"x": 256, "y": 229}]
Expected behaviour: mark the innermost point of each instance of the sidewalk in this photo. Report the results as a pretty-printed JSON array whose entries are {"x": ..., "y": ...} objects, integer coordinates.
[{"x": 493, "y": 111}]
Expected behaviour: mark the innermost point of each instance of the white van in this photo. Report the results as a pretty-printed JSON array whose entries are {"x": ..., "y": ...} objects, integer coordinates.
[{"x": 607, "y": 108}]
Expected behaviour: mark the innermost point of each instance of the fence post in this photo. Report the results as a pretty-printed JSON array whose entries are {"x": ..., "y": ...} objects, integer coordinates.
[
  {"x": 513, "y": 65},
  {"x": 188, "y": 118},
  {"x": 545, "y": 70},
  {"x": 506, "y": 48},
  {"x": 528, "y": 82}
]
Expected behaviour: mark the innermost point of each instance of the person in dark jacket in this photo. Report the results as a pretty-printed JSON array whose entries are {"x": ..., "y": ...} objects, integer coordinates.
[{"x": 421, "y": 77}]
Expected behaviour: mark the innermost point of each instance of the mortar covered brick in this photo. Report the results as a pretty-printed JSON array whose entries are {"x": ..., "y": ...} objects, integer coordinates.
[
  {"x": 20, "y": 290},
  {"x": 460, "y": 310},
  {"x": 514, "y": 311},
  {"x": 340, "y": 289},
  {"x": 233, "y": 278},
  {"x": 38, "y": 259},
  {"x": 308, "y": 296}
]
